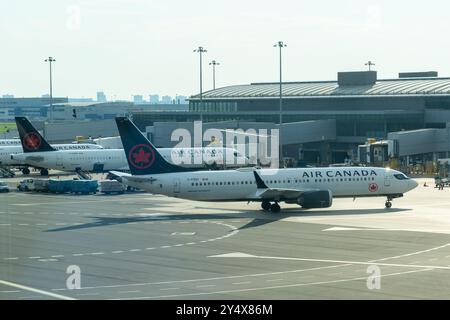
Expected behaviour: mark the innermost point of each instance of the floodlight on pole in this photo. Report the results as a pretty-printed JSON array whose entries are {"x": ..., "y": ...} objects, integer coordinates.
[
  {"x": 370, "y": 64},
  {"x": 281, "y": 45},
  {"x": 50, "y": 60},
  {"x": 200, "y": 51},
  {"x": 214, "y": 63}
]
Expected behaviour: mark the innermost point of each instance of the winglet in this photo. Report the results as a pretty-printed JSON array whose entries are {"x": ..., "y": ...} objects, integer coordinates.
[{"x": 260, "y": 184}]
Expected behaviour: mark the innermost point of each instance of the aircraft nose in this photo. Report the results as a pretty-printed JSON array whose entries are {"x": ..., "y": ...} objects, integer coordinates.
[{"x": 413, "y": 184}]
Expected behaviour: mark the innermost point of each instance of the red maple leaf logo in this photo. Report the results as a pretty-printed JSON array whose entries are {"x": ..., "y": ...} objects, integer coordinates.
[
  {"x": 373, "y": 187},
  {"x": 141, "y": 156},
  {"x": 32, "y": 141}
]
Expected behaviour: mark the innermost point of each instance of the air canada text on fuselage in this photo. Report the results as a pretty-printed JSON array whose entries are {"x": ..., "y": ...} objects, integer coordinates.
[{"x": 338, "y": 173}]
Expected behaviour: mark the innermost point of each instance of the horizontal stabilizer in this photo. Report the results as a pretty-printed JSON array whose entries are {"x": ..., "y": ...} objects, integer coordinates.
[{"x": 131, "y": 178}]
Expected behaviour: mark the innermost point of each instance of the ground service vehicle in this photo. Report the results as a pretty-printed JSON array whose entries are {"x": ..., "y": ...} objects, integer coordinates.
[
  {"x": 3, "y": 187},
  {"x": 111, "y": 186}
]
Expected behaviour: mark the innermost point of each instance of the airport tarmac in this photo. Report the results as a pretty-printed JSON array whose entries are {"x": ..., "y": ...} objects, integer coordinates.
[{"x": 143, "y": 246}]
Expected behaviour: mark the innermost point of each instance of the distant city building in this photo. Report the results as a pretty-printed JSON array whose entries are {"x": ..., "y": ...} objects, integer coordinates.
[
  {"x": 166, "y": 100},
  {"x": 94, "y": 110},
  {"x": 101, "y": 97},
  {"x": 46, "y": 95},
  {"x": 7, "y": 96},
  {"x": 33, "y": 108},
  {"x": 154, "y": 99},
  {"x": 138, "y": 99},
  {"x": 180, "y": 100}
]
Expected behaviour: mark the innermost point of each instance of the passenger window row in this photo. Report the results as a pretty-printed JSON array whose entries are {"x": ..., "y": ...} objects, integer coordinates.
[
  {"x": 345, "y": 179},
  {"x": 221, "y": 183},
  {"x": 94, "y": 158},
  {"x": 233, "y": 183}
]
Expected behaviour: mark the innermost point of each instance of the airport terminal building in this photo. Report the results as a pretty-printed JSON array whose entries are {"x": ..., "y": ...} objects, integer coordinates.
[
  {"x": 324, "y": 122},
  {"x": 361, "y": 106}
]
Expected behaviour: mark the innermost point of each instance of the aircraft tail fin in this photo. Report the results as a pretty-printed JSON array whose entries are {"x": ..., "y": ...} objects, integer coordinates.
[
  {"x": 31, "y": 139},
  {"x": 142, "y": 156}
]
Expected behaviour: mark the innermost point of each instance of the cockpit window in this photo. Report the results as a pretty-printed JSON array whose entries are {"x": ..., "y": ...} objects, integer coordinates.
[{"x": 401, "y": 176}]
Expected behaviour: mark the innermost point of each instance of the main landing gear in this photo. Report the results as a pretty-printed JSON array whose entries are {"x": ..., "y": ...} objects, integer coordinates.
[{"x": 274, "y": 207}]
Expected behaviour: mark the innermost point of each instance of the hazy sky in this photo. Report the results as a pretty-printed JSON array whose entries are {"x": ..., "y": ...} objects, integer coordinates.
[{"x": 126, "y": 47}]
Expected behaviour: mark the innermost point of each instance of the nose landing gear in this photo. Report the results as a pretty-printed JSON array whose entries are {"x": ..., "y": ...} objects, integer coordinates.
[
  {"x": 388, "y": 202},
  {"x": 390, "y": 197}
]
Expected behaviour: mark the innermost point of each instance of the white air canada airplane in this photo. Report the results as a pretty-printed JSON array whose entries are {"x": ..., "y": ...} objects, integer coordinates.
[
  {"x": 38, "y": 153},
  {"x": 9, "y": 142},
  {"x": 308, "y": 187},
  {"x": 14, "y": 147}
]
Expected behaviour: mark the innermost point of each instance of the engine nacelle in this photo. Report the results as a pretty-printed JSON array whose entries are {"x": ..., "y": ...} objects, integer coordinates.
[{"x": 316, "y": 199}]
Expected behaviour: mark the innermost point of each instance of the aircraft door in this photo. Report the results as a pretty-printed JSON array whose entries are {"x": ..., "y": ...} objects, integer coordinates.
[
  {"x": 387, "y": 179},
  {"x": 176, "y": 185},
  {"x": 59, "y": 160},
  {"x": 98, "y": 167}
]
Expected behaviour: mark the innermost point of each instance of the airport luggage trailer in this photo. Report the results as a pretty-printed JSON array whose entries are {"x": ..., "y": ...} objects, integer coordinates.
[
  {"x": 84, "y": 186},
  {"x": 59, "y": 185},
  {"x": 112, "y": 186}
]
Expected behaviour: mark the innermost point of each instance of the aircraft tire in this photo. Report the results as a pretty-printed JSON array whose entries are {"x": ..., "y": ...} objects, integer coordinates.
[
  {"x": 265, "y": 205},
  {"x": 275, "y": 208}
]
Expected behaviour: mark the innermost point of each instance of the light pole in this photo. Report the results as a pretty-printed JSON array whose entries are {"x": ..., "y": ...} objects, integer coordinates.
[
  {"x": 369, "y": 63},
  {"x": 50, "y": 60},
  {"x": 201, "y": 50},
  {"x": 214, "y": 63},
  {"x": 281, "y": 45}
]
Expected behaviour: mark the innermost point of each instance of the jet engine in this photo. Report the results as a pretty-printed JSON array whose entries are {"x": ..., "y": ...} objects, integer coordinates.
[{"x": 316, "y": 199}]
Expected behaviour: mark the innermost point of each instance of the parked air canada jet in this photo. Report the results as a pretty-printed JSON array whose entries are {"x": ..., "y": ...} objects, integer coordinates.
[
  {"x": 14, "y": 147},
  {"x": 10, "y": 142},
  {"x": 38, "y": 153},
  {"x": 307, "y": 187}
]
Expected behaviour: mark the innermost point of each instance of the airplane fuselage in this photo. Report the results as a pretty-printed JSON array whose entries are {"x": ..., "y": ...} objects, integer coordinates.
[
  {"x": 7, "y": 151},
  {"x": 115, "y": 159},
  {"x": 235, "y": 185}
]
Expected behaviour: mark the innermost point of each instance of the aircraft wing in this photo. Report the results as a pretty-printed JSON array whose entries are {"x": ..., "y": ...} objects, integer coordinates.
[
  {"x": 264, "y": 192},
  {"x": 279, "y": 193}
]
